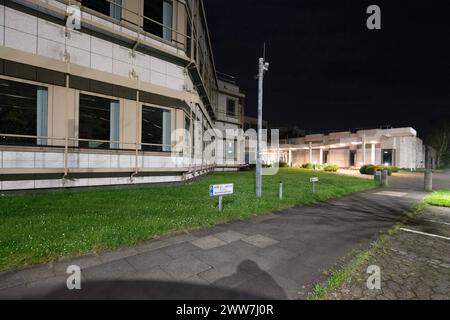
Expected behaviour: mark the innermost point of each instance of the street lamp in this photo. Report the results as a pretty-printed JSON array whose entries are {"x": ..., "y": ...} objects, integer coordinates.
[{"x": 263, "y": 67}]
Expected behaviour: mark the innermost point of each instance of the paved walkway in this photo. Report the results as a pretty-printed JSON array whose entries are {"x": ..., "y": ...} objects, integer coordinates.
[
  {"x": 413, "y": 265},
  {"x": 278, "y": 256}
]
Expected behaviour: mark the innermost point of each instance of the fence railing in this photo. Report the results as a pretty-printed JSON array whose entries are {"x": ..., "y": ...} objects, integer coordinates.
[{"x": 68, "y": 144}]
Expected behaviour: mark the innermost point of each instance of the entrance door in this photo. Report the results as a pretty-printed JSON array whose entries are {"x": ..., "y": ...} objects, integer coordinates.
[
  {"x": 388, "y": 157},
  {"x": 352, "y": 159}
]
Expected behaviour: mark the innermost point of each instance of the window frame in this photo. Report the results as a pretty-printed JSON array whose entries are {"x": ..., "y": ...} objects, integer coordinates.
[
  {"x": 119, "y": 100},
  {"x": 45, "y": 138},
  {"x": 234, "y": 113},
  {"x": 142, "y": 105}
]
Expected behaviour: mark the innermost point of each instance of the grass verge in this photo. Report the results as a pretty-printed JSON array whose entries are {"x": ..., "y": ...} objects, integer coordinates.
[
  {"x": 338, "y": 277},
  {"x": 39, "y": 228},
  {"x": 439, "y": 198}
]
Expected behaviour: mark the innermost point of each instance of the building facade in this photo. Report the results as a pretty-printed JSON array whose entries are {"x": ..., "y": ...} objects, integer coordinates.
[
  {"x": 124, "y": 97},
  {"x": 398, "y": 147},
  {"x": 229, "y": 120}
]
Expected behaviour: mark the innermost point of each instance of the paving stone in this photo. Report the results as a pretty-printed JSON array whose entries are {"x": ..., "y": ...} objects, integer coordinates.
[
  {"x": 153, "y": 274},
  {"x": 184, "y": 268},
  {"x": 152, "y": 245},
  {"x": 277, "y": 253},
  {"x": 412, "y": 268},
  {"x": 260, "y": 241},
  {"x": 230, "y": 236},
  {"x": 109, "y": 271},
  {"x": 216, "y": 257},
  {"x": 13, "y": 279},
  {"x": 208, "y": 242},
  {"x": 117, "y": 255},
  {"x": 240, "y": 248},
  {"x": 147, "y": 261},
  {"x": 84, "y": 262},
  {"x": 180, "y": 250},
  {"x": 186, "y": 237}
]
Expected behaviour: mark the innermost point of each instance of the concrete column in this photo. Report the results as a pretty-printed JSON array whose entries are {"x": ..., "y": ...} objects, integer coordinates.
[
  {"x": 373, "y": 153},
  {"x": 321, "y": 156},
  {"x": 310, "y": 152},
  {"x": 364, "y": 150},
  {"x": 290, "y": 158}
]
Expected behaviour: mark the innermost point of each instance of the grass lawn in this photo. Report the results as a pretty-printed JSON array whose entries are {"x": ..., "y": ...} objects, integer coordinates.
[
  {"x": 39, "y": 228},
  {"x": 439, "y": 198}
]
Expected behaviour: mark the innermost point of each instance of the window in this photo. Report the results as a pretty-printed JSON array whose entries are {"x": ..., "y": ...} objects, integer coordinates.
[
  {"x": 99, "y": 120},
  {"x": 158, "y": 19},
  {"x": 110, "y": 8},
  {"x": 23, "y": 111},
  {"x": 156, "y": 129},
  {"x": 231, "y": 107}
]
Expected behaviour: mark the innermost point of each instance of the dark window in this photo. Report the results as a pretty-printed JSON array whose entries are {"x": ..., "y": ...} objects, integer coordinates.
[
  {"x": 23, "y": 111},
  {"x": 156, "y": 129},
  {"x": 110, "y": 8},
  {"x": 99, "y": 120},
  {"x": 158, "y": 18},
  {"x": 231, "y": 107}
]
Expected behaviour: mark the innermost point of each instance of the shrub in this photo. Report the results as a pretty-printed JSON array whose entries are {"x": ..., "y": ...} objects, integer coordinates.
[
  {"x": 283, "y": 164},
  {"x": 364, "y": 169},
  {"x": 331, "y": 168},
  {"x": 394, "y": 169},
  {"x": 308, "y": 165},
  {"x": 371, "y": 169}
]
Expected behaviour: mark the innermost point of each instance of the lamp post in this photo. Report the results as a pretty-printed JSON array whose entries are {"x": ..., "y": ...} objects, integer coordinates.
[{"x": 263, "y": 67}]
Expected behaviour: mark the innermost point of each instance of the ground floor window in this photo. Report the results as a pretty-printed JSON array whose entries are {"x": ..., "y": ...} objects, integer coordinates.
[
  {"x": 156, "y": 129},
  {"x": 23, "y": 111},
  {"x": 99, "y": 122}
]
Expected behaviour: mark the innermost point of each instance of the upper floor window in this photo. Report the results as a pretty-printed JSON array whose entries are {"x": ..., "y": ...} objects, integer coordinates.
[
  {"x": 156, "y": 129},
  {"x": 99, "y": 122},
  {"x": 112, "y": 8},
  {"x": 231, "y": 107},
  {"x": 158, "y": 18},
  {"x": 24, "y": 112}
]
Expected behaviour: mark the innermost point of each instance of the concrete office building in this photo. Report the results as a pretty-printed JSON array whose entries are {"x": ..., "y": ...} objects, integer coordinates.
[
  {"x": 394, "y": 147},
  {"x": 99, "y": 105}
]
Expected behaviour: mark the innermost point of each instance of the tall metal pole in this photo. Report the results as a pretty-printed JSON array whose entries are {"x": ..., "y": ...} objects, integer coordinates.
[{"x": 263, "y": 66}]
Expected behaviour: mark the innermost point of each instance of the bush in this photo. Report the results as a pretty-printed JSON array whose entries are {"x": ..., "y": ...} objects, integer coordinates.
[
  {"x": 364, "y": 169},
  {"x": 331, "y": 168},
  {"x": 308, "y": 165},
  {"x": 283, "y": 164},
  {"x": 371, "y": 169},
  {"x": 394, "y": 169}
]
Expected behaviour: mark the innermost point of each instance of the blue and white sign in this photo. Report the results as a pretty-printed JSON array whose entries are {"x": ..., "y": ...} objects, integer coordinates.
[{"x": 219, "y": 190}]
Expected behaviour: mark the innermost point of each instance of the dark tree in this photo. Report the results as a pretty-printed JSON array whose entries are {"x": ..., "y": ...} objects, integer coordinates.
[{"x": 439, "y": 139}]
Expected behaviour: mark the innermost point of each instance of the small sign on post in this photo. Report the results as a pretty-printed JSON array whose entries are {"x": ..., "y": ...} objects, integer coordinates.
[
  {"x": 314, "y": 181},
  {"x": 220, "y": 190}
]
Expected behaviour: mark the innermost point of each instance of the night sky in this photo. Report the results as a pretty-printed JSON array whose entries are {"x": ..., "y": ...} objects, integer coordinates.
[{"x": 327, "y": 70}]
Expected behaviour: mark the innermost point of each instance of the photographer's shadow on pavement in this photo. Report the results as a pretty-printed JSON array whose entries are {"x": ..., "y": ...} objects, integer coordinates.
[{"x": 162, "y": 290}]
